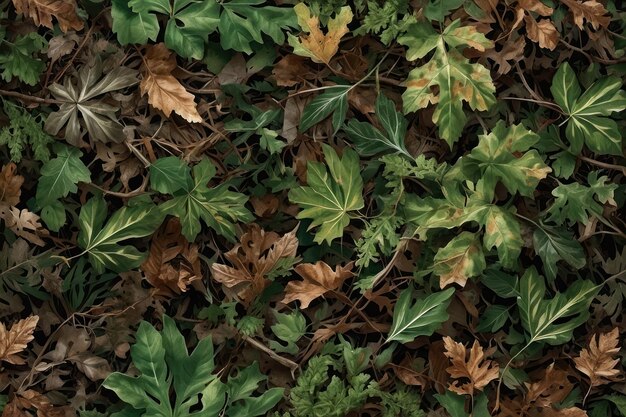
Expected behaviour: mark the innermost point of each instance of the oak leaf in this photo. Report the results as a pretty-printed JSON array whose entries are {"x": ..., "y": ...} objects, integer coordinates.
[
  {"x": 591, "y": 11},
  {"x": 10, "y": 184},
  {"x": 42, "y": 12},
  {"x": 16, "y": 339},
  {"x": 172, "y": 263},
  {"x": 476, "y": 368},
  {"x": 23, "y": 223},
  {"x": 319, "y": 278},
  {"x": 258, "y": 255},
  {"x": 597, "y": 362},
  {"x": 164, "y": 91},
  {"x": 317, "y": 46}
]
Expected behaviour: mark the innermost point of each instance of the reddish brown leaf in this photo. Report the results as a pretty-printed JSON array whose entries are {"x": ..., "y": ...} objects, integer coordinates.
[
  {"x": 591, "y": 11},
  {"x": 598, "y": 361},
  {"x": 10, "y": 184},
  {"x": 476, "y": 368},
  {"x": 319, "y": 278},
  {"x": 544, "y": 32},
  {"x": 42, "y": 12}
]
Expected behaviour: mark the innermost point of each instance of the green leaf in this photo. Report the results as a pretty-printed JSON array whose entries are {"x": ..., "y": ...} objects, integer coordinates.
[
  {"x": 60, "y": 175},
  {"x": 460, "y": 259},
  {"x": 619, "y": 401},
  {"x": 219, "y": 207},
  {"x": 335, "y": 99},
  {"x": 493, "y": 318},
  {"x": 576, "y": 203},
  {"x": 553, "y": 321},
  {"x": 328, "y": 199},
  {"x": 421, "y": 318},
  {"x": 53, "y": 215},
  {"x": 288, "y": 328},
  {"x": 588, "y": 121},
  {"x": 169, "y": 174},
  {"x": 369, "y": 140},
  {"x": 453, "y": 403},
  {"x": 103, "y": 243},
  {"x": 131, "y": 27},
  {"x": 456, "y": 79},
  {"x": 16, "y": 59},
  {"x": 554, "y": 244},
  {"x": 503, "y": 284},
  {"x": 502, "y": 231},
  {"x": 240, "y": 388},
  {"x": 439, "y": 9}
]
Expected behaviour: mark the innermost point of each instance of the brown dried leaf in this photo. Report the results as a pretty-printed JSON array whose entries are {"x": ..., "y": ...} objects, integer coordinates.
[
  {"x": 553, "y": 388},
  {"x": 16, "y": 339},
  {"x": 476, "y": 368},
  {"x": 10, "y": 184},
  {"x": 597, "y": 362},
  {"x": 564, "y": 412},
  {"x": 257, "y": 254},
  {"x": 23, "y": 223},
  {"x": 168, "y": 244},
  {"x": 290, "y": 70},
  {"x": 42, "y": 11},
  {"x": 319, "y": 278},
  {"x": 591, "y": 11},
  {"x": 164, "y": 91},
  {"x": 536, "y": 6},
  {"x": 544, "y": 32}
]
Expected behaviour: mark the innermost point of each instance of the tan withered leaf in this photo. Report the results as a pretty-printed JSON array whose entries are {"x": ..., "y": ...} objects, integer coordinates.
[
  {"x": 10, "y": 184},
  {"x": 15, "y": 340},
  {"x": 32, "y": 400},
  {"x": 164, "y": 91},
  {"x": 476, "y": 368},
  {"x": 172, "y": 263},
  {"x": 590, "y": 10},
  {"x": 597, "y": 362},
  {"x": 253, "y": 259},
  {"x": 317, "y": 46},
  {"x": 23, "y": 223},
  {"x": 553, "y": 388},
  {"x": 42, "y": 12},
  {"x": 544, "y": 32},
  {"x": 319, "y": 278}
]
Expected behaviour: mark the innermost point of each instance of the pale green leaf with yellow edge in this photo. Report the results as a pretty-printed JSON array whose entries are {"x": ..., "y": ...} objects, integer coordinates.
[{"x": 461, "y": 259}]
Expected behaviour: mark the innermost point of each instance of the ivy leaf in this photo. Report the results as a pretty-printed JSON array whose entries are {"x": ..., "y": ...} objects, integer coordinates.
[
  {"x": 588, "y": 121},
  {"x": 576, "y": 203},
  {"x": 328, "y": 198},
  {"x": 369, "y": 140},
  {"x": 455, "y": 77},
  {"x": 131, "y": 27},
  {"x": 17, "y": 60},
  {"x": 333, "y": 100},
  {"x": 219, "y": 207},
  {"x": 421, "y": 318},
  {"x": 497, "y": 158},
  {"x": 60, "y": 175},
  {"x": 554, "y": 244},
  {"x": 553, "y": 321},
  {"x": 241, "y": 24},
  {"x": 317, "y": 46},
  {"x": 169, "y": 174},
  {"x": 103, "y": 243},
  {"x": 460, "y": 259}
]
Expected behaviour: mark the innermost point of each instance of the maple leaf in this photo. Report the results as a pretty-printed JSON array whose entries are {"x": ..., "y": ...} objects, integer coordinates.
[
  {"x": 10, "y": 184},
  {"x": 16, "y": 339},
  {"x": 317, "y": 46},
  {"x": 164, "y": 91},
  {"x": 42, "y": 11},
  {"x": 258, "y": 255},
  {"x": 590, "y": 10},
  {"x": 319, "y": 278},
  {"x": 167, "y": 245},
  {"x": 479, "y": 371},
  {"x": 23, "y": 223},
  {"x": 597, "y": 361}
]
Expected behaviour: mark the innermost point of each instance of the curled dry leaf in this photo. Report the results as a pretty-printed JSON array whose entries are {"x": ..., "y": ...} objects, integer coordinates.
[
  {"x": 319, "y": 278},
  {"x": 42, "y": 12},
  {"x": 258, "y": 254},
  {"x": 597, "y": 362},
  {"x": 173, "y": 262},
  {"x": 476, "y": 368},
  {"x": 10, "y": 185},
  {"x": 553, "y": 388},
  {"x": 15, "y": 340},
  {"x": 317, "y": 46},
  {"x": 164, "y": 91}
]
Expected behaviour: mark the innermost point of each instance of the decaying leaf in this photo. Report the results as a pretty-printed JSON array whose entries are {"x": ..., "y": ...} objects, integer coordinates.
[
  {"x": 317, "y": 46},
  {"x": 598, "y": 362},
  {"x": 32, "y": 400},
  {"x": 10, "y": 184},
  {"x": 476, "y": 367},
  {"x": 459, "y": 260},
  {"x": 23, "y": 223},
  {"x": 590, "y": 10},
  {"x": 42, "y": 12},
  {"x": 172, "y": 263},
  {"x": 542, "y": 32},
  {"x": 258, "y": 255},
  {"x": 15, "y": 340},
  {"x": 319, "y": 278},
  {"x": 164, "y": 91}
]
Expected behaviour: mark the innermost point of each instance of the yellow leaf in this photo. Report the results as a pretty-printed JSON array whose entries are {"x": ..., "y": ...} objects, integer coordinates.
[
  {"x": 317, "y": 46},
  {"x": 165, "y": 92},
  {"x": 15, "y": 340}
]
